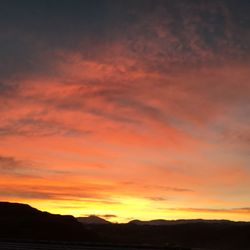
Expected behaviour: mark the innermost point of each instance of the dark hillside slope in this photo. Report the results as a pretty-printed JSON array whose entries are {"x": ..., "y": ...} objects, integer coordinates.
[{"x": 23, "y": 221}]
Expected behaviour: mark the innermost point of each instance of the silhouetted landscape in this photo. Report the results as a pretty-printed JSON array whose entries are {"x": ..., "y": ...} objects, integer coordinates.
[{"x": 22, "y": 222}]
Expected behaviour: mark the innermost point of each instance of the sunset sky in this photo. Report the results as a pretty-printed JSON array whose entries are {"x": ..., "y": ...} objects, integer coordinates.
[{"x": 126, "y": 108}]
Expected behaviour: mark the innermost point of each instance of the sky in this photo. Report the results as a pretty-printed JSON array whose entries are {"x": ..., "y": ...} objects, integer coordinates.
[{"x": 126, "y": 109}]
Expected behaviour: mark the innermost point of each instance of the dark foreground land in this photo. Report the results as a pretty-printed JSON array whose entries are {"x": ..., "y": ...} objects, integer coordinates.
[
  {"x": 23, "y": 227},
  {"x": 29, "y": 245}
]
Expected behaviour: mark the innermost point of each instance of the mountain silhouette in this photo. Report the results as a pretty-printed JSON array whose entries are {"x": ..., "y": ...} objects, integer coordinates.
[
  {"x": 92, "y": 219},
  {"x": 22, "y": 221},
  {"x": 162, "y": 222}
]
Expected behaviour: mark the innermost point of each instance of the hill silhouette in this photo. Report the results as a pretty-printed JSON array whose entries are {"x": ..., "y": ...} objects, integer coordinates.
[
  {"x": 24, "y": 222},
  {"x": 161, "y": 222},
  {"x": 20, "y": 221}
]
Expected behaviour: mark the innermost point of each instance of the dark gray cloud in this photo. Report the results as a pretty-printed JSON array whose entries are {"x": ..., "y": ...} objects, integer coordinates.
[
  {"x": 8, "y": 89},
  {"x": 156, "y": 32}
]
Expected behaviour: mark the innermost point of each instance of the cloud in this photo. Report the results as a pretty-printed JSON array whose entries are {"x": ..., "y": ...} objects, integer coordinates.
[
  {"x": 29, "y": 127},
  {"x": 105, "y": 216},
  {"x": 10, "y": 163},
  {"x": 152, "y": 93},
  {"x": 236, "y": 136},
  {"x": 58, "y": 193},
  {"x": 168, "y": 34},
  {"x": 8, "y": 89},
  {"x": 166, "y": 188},
  {"x": 157, "y": 198},
  {"x": 108, "y": 216},
  {"x": 244, "y": 210},
  {"x": 71, "y": 207},
  {"x": 12, "y": 166}
]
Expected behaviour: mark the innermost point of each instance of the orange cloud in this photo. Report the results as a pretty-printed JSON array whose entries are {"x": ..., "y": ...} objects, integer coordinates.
[{"x": 153, "y": 111}]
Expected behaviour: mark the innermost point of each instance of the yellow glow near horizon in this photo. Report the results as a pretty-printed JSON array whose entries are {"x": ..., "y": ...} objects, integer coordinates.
[{"x": 134, "y": 116}]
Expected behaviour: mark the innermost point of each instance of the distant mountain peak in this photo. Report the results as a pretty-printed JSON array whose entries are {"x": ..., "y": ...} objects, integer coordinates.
[
  {"x": 160, "y": 222},
  {"x": 92, "y": 219}
]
